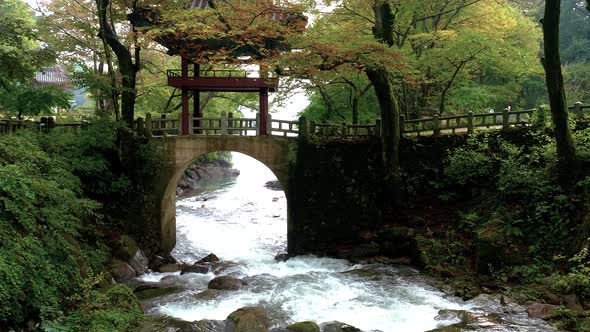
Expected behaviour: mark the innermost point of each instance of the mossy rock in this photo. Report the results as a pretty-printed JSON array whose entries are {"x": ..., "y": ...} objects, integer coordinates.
[
  {"x": 148, "y": 294},
  {"x": 126, "y": 248},
  {"x": 248, "y": 319},
  {"x": 494, "y": 250},
  {"x": 304, "y": 327}
]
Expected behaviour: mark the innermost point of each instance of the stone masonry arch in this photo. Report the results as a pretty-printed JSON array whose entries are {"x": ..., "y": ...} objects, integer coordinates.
[{"x": 181, "y": 151}]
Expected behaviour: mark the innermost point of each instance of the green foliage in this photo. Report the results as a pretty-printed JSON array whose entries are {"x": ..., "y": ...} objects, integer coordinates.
[
  {"x": 22, "y": 100},
  {"x": 111, "y": 309},
  {"x": 470, "y": 164},
  {"x": 20, "y": 51},
  {"x": 522, "y": 195},
  {"x": 41, "y": 213},
  {"x": 50, "y": 242},
  {"x": 577, "y": 281}
]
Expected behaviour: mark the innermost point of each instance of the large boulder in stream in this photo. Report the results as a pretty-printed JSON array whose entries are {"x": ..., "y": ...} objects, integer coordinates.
[
  {"x": 226, "y": 283},
  {"x": 211, "y": 258},
  {"x": 336, "y": 326},
  {"x": 308, "y": 326},
  {"x": 196, "y": 268},
  {"x": 248, "y": 319}
]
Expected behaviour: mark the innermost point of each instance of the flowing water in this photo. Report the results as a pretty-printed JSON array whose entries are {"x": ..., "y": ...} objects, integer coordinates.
[{"x": 244, "y": 224}]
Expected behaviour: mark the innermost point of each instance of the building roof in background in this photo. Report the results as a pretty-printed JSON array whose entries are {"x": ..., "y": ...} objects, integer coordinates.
[{"x": 52, "y": 76}]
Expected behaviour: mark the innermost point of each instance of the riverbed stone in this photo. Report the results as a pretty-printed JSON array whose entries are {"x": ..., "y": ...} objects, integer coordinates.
[
  {"x": 156, "y": 262},
  {"x": 196, "y": 268},
  {"x": 541, "y": 310},
  {"x": 282, "y": 257},
  {"x": 226, "y": 283},
  {"x": 248, "y": 319},
  {"x": 208, "y": 259},
  {"x": 336, "y": 326},
  {"x": 166, "y": 268},
  {"x": 206, "y": 325},
  {"x": 146, "y": 294},
  {"x": 307, "y": 326},
  {"x": 139, "y": 262},
  {"x": 121, "y": 271},
  {"x": 208, "y": 294}
]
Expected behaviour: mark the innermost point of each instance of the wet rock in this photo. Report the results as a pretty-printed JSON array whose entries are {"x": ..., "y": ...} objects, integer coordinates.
[
  {"x": 139, "y": 262},
  {"x": 226, "y": 283},
  {"x": 279, "y": 329},
  {"x": 338, "y": 327},
  {"x": 464, "y": 316},
  {"x": 196, "y": 268},
  {"x": 121, "y": 271},
  {"x": 208, "y": 259},
  {"x": 166, "y": 268},
  {"x": 572, "y": 303},
  {"x": 248, "y": 319},
  {"x": 207, "y": 295},
  {"x": 541, "y": 310},
  {"x": 206, "y": 325},
  {"x": 146, "y": 294},
  {"x": 273, "y": 185},
  {"x": 156, "y": 262},
  {"x": 304, "y": 327},
  {"x": 282, "y": 257}
]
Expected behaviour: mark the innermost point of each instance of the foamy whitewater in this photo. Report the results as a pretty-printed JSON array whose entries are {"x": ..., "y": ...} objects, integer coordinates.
[{"x": 244, "y": 224}]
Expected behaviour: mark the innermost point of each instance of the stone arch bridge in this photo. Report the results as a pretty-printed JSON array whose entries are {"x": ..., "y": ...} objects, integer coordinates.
[{"x": 328, "y": 200}]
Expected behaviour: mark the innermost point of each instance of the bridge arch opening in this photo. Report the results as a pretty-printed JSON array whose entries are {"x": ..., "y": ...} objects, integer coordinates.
[{"x": 236, "y": 217}]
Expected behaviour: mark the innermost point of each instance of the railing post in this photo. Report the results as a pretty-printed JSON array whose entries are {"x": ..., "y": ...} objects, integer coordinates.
[
  {"x": 269, "y": 124},
  {"x": 230, "y": 122},
  {"x": 139, "y": 126},
  {"x": 9, "y": 128},
  {"x": 257, "y": 124},
  {"x": 50, "y": 122},
  {"x": 312, "y": 128},
  {"x": 470, "y": 122},
  {"x": 223, "y": 124},
  {"x": 402, "y": 123},
  {"x": 436, "y": 121},
  {"x": 148, "y": 125},
  {"x": 578, "y": 109},
  {"x": 343, "y": 129},
  {"x": 378, "y": 127},
  {"x": 303, "y": 127},
  {"x": 505, "y": 118},
  {"x": 179, "y": 119},
  {"x": 163, "y": 125}
]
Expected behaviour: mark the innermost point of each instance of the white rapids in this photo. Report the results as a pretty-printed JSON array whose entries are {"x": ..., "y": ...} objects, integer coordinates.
[{"x": 244, "y": 223}]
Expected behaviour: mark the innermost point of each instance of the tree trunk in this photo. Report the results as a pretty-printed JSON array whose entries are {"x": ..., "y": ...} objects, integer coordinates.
[
  {"x": 566, "y": 153},
  {"x": 127, "y": 68},
  {"x": 390, "y": 132},
  {"x": 390, "y": 116}
]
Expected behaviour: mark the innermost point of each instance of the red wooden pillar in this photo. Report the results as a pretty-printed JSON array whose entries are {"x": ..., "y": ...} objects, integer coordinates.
[
  {"x": 197, "y": 113},
  {"x": 185, "y": 100},
  {"x": 263, "y": 112}
]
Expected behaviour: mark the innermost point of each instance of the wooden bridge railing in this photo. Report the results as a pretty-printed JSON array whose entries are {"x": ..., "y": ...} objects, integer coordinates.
[
  {"x": 9, "y": 126},
  {"x": 466, "y": 122}
]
